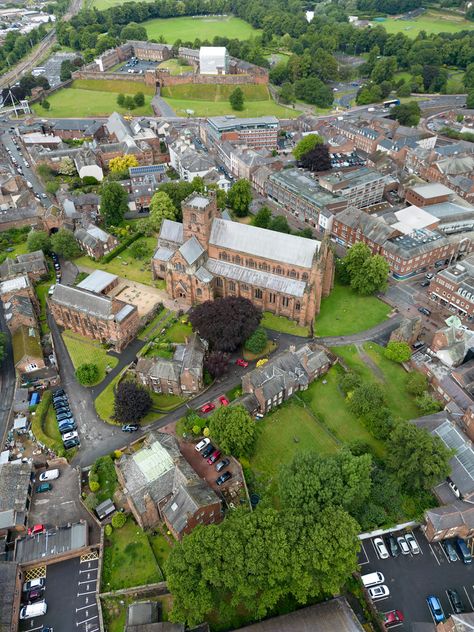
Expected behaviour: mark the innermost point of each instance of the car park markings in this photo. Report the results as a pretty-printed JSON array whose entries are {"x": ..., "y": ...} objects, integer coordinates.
[
  {"x": 435, "y": 556},
  {"x": 78, "y": 623},
  {"x": 468, "y": 598},
  {"x": 444, "y": 552},
  {"x": 33, "y": 629},
  {"x": 367, "y": 561},
  {"x": 91, "y": 592}
]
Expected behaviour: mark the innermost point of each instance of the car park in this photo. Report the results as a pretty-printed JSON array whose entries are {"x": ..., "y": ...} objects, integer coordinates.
[
  {"x": 60, "y": 400},
  {"x": 35, "y": 529},
  {"x": 208, "y": 450},
  {"x": 402, "y": 543},
  {"x": 34, "y": 595},
  {"x": 392, "y": 618},
  {"x": 381, "y": 548},
  {"x": 63, "y": 416},
  {"x": 130, "y": 427},
  {"x": 222, "y": 464},
  {"x": 450, "y": 550},
  {"x": 66, "y": 428},
  {"x": 436, "y": 609},
  {"x": 429, "y": 275},
  {"x": 63, "y": 411},
  {"x": 213, "y": 457},
  {"x": 207, "y": 407},
  {"x": 202, "y": 444},
  {"x": 33, "y": 584},
  {"x": 33, "y": 610},
  {"x": 223, "y": 478},
  {"x": 72, "y": 443},
  {"x": 49, "y": 475},
  {"x": 43, "y": 487},
  {"x": 412, "y": 543},
  {"x": 378, "y": 592},
  {"x": 453, "y": 488},
  {"x": 455, "y": 601},
  {"x": 392, "y": 546},
  {"x": 425, "y": 283},
  {"x": 70, "y": 435}
]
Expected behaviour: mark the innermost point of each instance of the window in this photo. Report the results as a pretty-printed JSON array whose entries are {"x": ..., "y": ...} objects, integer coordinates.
[
  {"x": 199, "y": 291},
  {"x": 219, "y": 282},
  {"x": 258, "y": 293},
  {"x": 179, "y": 266},
  {"x": 285, "y": 301},
  {"x": 278, "y": 270},
  {"x": 238, "y": 260},
  {"x": 223, "y": 256},
  {"x": 304, "y": 276},
  {"x": 251, "y": 263},
  {"x": 162, "y": 268},
  {"x": 193, "y": 217},
  {"x": 272, "y": 298},
  {"x": 232, "y": 286},
  {"x": 293, "y": 274},
  {"x": 297, "y": 307},
  {"x": 244, "y": 287}
]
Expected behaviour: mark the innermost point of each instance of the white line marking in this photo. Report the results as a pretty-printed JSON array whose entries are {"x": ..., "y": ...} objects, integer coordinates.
[
  {"x": 91, "y": 592},
  {"x": 86, "y": 582},
  {"x": 468, "y": 598},
  {"x": 445, "y": 554},
  {"x": 421, "y": 550},
  {"x": 78, "y": 623},
  {"x": 449, "y": 601},
  {"x": 436, "y": 557},
  {"x": 89, "y": 570},
  {"x": 365, "y": 553},
  {"x": 83, "y": 608},
  {"x": 33, "y": 629}
]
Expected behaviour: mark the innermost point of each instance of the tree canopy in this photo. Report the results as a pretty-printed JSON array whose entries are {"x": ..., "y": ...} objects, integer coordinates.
[
  {"x": 64, "y": 244},
  {"x": 234, "y": 430},
  {"x": 38, "y": 240},
  {"x": 225, "y": 322},
  {"x": 366, "y": 273},
  {"x": 239, "y": 197},
  {"x": 398, "y": 351},
  {"x": 236, "y": 99},
  {"x": 87, "y": 374},
  {"x": 161, "y": 208},
  {"x": 306, "y": 144},
  {"x": 132, "y": 402},
  {"x": 121, "y": 164},
  {"x": 113, "y": 203}
]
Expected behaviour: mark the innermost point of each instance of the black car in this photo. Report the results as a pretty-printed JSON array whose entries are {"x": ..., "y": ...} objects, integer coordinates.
[
  {"x": 208, "y": 450},
  {"x": 64, "y": 428},
  {"x": 72, "y": 443},
  {"x": 63, "y": 409},
  {"x": 223, "y": 478},
  {"x": 425, "y": 283},
  {"x": 455, "y": 600},
  {"x": 60, "y": 401},
  {"x": 425, "y": 311},
  {"x": 450, "y": 550},
  {"x": 392, "y": 546},
  {"x": 59, "y": 392},
  {"x": 222, "y": 464}
]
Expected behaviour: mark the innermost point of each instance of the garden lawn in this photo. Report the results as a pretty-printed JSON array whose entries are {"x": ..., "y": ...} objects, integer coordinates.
[
  {"x": 83, "y": 350},
  {"x": 51, "y": 429},
  {"x": 161, "y": 549},
  {"x": 344, "y": 312},
  {"x": 431, "y": 22},
  {"x": 107, "y": 478},
  {"x": 125, "y": 266},
  {"x": 41, "y": 290},
  {"x": 328, "y": 403},
  {"x": 76, "y": 101},
  {"x": 282, "y": 324},
  {"x": 269, "y": 348},
  {"x": 188, "y": 29},
  {"x": 213, "y": 100},
  {"x": 166, "y": 402},
  {"x": 104, "y": 403},
  {"x": 179, "y": 331},
  {"x": 175, "y": 67},
  {"x": 283, "y": 433},
  {"x": 128, "y": 559}
]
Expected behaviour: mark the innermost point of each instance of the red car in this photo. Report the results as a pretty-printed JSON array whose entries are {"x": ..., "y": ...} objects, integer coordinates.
[
  {"x": 394, "y": 617},
  {"x": 38, "y": 528},
  {"x": 223, "y": 400},
  {"x": 214, "y": 456},
  {"x": 207, "y": 407},
  {"x": 242, "y": 362}
]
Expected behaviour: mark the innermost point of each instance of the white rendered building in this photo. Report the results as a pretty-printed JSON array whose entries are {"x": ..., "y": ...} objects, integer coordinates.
[{"x": 213, "y": 60}]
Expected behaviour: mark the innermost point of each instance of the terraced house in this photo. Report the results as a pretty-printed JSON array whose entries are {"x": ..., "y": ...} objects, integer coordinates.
[{"x": 207, "y": 257}]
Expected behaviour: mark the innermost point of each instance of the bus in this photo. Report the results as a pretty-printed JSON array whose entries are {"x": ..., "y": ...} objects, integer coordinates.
[{"x": 391, "y": 103}]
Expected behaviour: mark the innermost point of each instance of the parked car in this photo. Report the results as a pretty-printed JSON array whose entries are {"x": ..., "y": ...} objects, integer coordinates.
[
  {"x": 51, "y": 290},
  {"x": 223, "y": 478},
  {"x": 425, "y": 283},
  {"x": 72, "y": 443},
  {"x": 70, "y": 435},
  {"x": 43, "y": 487},
  {"x": 35, "y": 529},
  {"x": 202, "y": 444},
  {"x": 455, "y": 601},
  {"x": 377, "y": 592},
  {"x": 436, "y": 610},
  {"x": 429, "y": 275},
  {"x": 425, "y": 311},
  {"x": 392, "y": 546},
  {"x": 418, "y": 345},
  {"x": 34, "y": 595},
  {"x": 222, "y": 464},
  {"x": 67, "y": 428},
  {"x": 412, "y": 543},
  {"x": 208, "y": 450},
  {"x": 381, "y": 548},
  {"x": 402, "y": 543},
  {"x": 223, "y": 400},
  {"x": 61, "y": 410},
  {"x": 241, "y": 362},
  {"x": 60, "y": 391},
  {"x": 453, "y": 488},
  {"x": 450, "y": 550},
  {"x": 33, "y": 584},
  {"x": 207, "y": 407},
  {"x": 37, "y": 609},
  {"x": 394, "y": 617},
  {"x": 64, "y": 416},
  {"x": 49, "y": 475},
  {"x": 213, "y": 457},
  {"x": 130, "y": 427},
  {"x": 464, "y": 553}
]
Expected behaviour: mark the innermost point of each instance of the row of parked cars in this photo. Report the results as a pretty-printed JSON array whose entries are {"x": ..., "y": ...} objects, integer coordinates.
[
  {"x": 66, "y": 422},
  {"x": 212, "y": 454},
  {"x": 34, "y": 604},
  {"x": 403, "y": 544}
]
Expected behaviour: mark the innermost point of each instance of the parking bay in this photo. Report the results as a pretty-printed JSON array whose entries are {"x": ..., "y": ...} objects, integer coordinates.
[{"x": 411, "y": 578}]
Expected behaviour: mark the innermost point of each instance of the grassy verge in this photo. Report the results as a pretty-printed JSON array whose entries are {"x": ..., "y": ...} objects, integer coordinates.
[
  {"x": 282, "y": 324},
  {"x": 166, "y": 402},
  {"x": 105, "y": 470},
  {"x": 151, "y": 325},
  {"x": 269, "y": 348},
  {"x": 84, "y": 350},
  {"x": 344, "y": 312},
  {"x": 46, "y": 430},
  {"x": 104, "y": 403},
  {"x": 161, "y": 549}
]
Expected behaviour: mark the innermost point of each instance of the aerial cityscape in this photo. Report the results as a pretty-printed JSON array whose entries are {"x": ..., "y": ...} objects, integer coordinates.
[{"x": 236, "y": 316}]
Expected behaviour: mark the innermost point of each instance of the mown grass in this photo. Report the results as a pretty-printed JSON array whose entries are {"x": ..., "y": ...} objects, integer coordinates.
[
  {"x": 284, "y": 325},
  {"x": 431, "y": 22},
  {"x": 83, "y": 350},
  {"x": 188, "y": 29}
]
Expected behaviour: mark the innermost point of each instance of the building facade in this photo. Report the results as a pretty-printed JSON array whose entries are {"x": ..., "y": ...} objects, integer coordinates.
[
  {"x": 207, "y": 257},
  {"x": 252, "y": 132},
  {"x": 454, "y": 287}
]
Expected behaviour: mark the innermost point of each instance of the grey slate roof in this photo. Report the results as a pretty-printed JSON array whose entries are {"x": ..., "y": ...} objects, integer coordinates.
[
  {"x": 171, "y": 231},
  {"x": 263, "y": 243},
  {"x": 33, "y": 262},
  {"x": 142, "y": 612},
  {"x": 159, "y": 368},
  {"x": 163, "y": 254},
  {"x": 187, "y": 501},
  {"x": 97, "y": 281},
  {"x": 8, "y": 575},
  {"x": 450, "y": 516},
  {"x": 191, "y": 250},
  {"x": 193, "y": 356},
  {"x": 83, "y": 301},
  {"x": 15, "y": 481}
]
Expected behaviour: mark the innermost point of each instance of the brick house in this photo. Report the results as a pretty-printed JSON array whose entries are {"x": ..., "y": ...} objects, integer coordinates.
[
  {"x": 449, "y": 521},
  {"x": 95, "y": 241},
  {"x": 207, "y": 257},
  {"x": 95, "y": 316},
  {"x": 33, "y": 264},
  {"x": 162, "y": 486},
  {"x": 181, "y": 375},
  {"x": 27, "y": 350},
  {"x": 454, "y": 287},
  {"x": 283, "y": 376},
  {"x": 427, "y": 194}
]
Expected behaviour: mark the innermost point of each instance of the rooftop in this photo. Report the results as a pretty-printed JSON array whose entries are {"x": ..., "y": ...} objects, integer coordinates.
[
  {"x": 304, "y": 185},
  {"x": 51, "y": 542},
  {"x": 431, "y": 190},
  {"x": 97, "y": 281},
  {"x": 18, "y": 283},
  {"x": 230, "y": 122}
]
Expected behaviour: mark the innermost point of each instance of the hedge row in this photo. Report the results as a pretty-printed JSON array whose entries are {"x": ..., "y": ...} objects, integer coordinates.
[{"x": 121, "y": 247}]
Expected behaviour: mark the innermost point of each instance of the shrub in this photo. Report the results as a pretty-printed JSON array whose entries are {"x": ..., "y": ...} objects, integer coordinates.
[
  {"x": 87, "y": 374},
  {"x": 257, "y": 341},
  {"x": 117, "y": 454},
  {"x": 91, "y": 501},
  {"x": 398, "y": 351},
  {"x": 94, "y": 486},
  {"x": 118, "y": 520},
  {"x": 417, "y": 383},
  {"x": 108, "y": 530},
  {"x": 93, "y": 476}
]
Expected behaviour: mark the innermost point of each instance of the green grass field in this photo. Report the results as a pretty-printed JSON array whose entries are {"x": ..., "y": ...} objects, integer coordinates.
[
  {"x": 174, "y": 67},
  {"x": 285, "y": 325},
  {"x": 104, "y": 403},
  {"x": 84, "y": 350},
  {"x": 188, "y": 29},
  {"x": 213, "y": 100},
  {"x": 89, "y": 97},
  {"x": 431, "y": 22},
  {"x": 344, "y": 312}
]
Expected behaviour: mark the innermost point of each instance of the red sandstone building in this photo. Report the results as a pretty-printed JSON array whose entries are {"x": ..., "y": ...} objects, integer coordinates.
[
  {"x": 207, "y": 257},
  {"x": 454, "y": 287}
]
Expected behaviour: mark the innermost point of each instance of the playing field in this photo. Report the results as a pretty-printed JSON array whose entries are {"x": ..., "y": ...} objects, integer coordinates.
[
  {"x": 85, "y": 98},
  {"x": 213, "y": 100},
  {"x": 431, "y": 22},
  {"x": 204, "y": 28}
]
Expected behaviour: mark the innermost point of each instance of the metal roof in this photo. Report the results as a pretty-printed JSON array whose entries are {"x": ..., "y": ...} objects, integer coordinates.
[
  {"x": 433, "y": 189},
  {"x": 171, "y": 231},
  {"x": 97, "y": 281},
  {"x": 260, "y": 242},
  {"x": 153, "y": 461},
  {"x": 191, "y": 250}
]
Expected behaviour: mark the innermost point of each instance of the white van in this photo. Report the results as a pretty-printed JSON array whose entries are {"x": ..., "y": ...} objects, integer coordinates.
[
  {"x": 49, "y": 475},
  {"x": 37, "y": 609},
  {"x": 372, "y": 579}
]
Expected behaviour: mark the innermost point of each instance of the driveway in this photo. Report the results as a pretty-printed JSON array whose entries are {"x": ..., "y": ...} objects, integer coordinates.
[{"x": 411, "y": 578}]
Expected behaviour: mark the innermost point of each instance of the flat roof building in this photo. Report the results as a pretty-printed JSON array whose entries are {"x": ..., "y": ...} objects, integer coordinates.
[{"x": 260, "y": 131}]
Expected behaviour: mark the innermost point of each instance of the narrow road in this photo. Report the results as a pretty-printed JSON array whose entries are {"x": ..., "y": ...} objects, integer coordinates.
[
  {"x": 160, "y": 107},
  {"x": 7, "y": 381}
]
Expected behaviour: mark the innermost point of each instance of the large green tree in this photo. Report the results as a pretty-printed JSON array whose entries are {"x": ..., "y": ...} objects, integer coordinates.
[
  {"x": 372, "y": 277},
  {"x": 38, "y": 240},
  {"x": 239, "y": 197},
  {"x": 366, "y": 398},
  {"x": 418, "y": 459},
  {"x": 161, "y": 208},
  {"x": 113, "y": 203},
  {"x": 262, "y": 218},
  {"x": 236, "y": 99},
  {"x": 234, "y": 430},
  {"x": 398, "y": 351},
  {"x": 306, "y": 144},
  {"x": 64, "y": 244}
]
